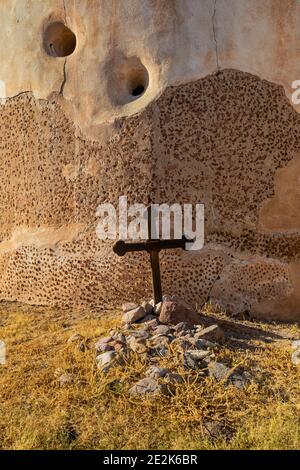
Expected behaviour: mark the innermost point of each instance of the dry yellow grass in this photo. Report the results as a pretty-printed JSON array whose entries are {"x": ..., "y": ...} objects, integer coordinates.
[{"x": 95, "y": 412}]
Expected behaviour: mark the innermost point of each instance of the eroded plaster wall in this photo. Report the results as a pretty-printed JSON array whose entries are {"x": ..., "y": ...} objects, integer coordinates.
[{"x": 215, "y": 124}]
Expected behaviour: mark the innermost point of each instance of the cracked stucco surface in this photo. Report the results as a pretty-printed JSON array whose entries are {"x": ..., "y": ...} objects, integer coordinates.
[{"x": 177, "y": 42}]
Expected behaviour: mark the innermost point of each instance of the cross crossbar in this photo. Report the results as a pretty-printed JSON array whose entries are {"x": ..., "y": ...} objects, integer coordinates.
[{"x": 153, "y": 247}]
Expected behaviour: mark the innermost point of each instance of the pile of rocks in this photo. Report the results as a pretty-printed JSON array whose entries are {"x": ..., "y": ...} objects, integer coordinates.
[
  {"x": 173, "y": 330},
  {"x": 171, "y": 333}
]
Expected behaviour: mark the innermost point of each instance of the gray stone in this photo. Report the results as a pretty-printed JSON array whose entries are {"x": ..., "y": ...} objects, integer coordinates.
[
  {"x": 296, "y": 357},
  {"x": 296, "y": 344},
  {"x": 134, "y": 315},
  {"x": 190, "y": 363},
  {"x": 147, "y": 319},
  {"x": 141, "y": 333},
  {"x": 186, "y": 336},
  {"x": 137, "y": 345},
  {"x": 148, "y": 386},
  {"x": 65, "y": 379},
  {"x": 129, "y": 306},
  {"x": 193, "y": 358},
  {"x": 173, "y": 378},
  {"x": 148, "y": 308},
  {"x": 181, "y": 327},
  {"x": 150, "y": 324},
  {"x": 240, "y": 380},
  {"x": 103, "y": 346},
  {"x": 105, "y": 339},
  {"x": 221, "y": 372},
  {"x": 160, "y": 340},
  {"x": 106, "y": 360},
  {"x": 205, "y": 344},
  {"x": 162, "y": 330},
  {"x": 197, "y": 355},
  {"x": 218, "y": 371},
  {"x": 213, "y": 333},
  {"x": 175, "y": 310},
  {"x": 181, "y": 344},
  {"x": 157, "y": 308},
  {"x": 157, "y": 372}
]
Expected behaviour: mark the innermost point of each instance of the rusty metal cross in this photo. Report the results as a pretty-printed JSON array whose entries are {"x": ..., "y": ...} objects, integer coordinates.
[{"x": 153, "y": 247}]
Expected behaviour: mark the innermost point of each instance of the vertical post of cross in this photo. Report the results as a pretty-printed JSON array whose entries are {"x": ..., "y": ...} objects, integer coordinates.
[{"x": 154, "y": 259}]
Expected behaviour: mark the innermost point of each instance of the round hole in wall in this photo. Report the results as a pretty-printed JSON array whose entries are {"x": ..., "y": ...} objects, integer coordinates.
[
  {"x": 127, "y": 79},
  {"x": 59, "y": 40}
]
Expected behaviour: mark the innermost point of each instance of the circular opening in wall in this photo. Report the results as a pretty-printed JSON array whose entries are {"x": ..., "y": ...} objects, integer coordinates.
[
  {"x": 59, "y": 40},
  {"x": 127, "y": 79}
]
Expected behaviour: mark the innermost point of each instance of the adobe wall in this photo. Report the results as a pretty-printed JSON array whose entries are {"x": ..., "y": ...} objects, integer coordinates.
[{"x": 216, "y": 124}]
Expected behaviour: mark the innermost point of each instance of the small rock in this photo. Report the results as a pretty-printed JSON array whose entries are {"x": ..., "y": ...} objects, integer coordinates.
[
  {"x": 151, "y": 324},
  {"x": 240, "y": 380},
  {"x": 186, "y": 335},
  {"x": 147, "y": 319},
  {"x": 106, "y": 339},
  {"x": 296, "y": 344},
  {"x": 137, "y": 345},
  {"x": 134, "y": 315},
  {"x": 193, "y": 358},
  {"x": 65, "y": 379},
  {"x": 162, "y": 330},
  {"x": 181, "y": 344},
  {"x": 161, "y": 341},
  {"x": 181, "y": 327},
  {"x": 296, "y": 357},
  {"x": 148, "y": 386},
  {"x": 148, "y": 307},
  {"x": 103, "y": 346},
  {"x": 157, "y": 308},
  {"x": 119, "y": 337},
  {"x": 212, "y": 333},
  {"x": 129, "y": 306},
  {"x": 197, "y": 355},
  {"x": 157, "y": 372},
  {"x": 142, "y": 333},
  {"x": 175, "y": 310},
  {"x": 106, "y": 360},
  {"x": 218, "y": 371},
  {"x": 173, "y": 378},
  {"x": 221, "y": 372},
  {"x": 190, "y": 363},
  {"x": 205, "y": 344},
  {"x": 75, "y": 337}
]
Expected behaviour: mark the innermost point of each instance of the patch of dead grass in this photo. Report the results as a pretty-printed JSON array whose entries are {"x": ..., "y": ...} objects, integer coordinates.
[{"x": 95, "y": 412}]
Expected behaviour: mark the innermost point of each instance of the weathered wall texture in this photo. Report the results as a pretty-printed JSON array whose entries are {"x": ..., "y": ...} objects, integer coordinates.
[{"x": 215, "y": 125}]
